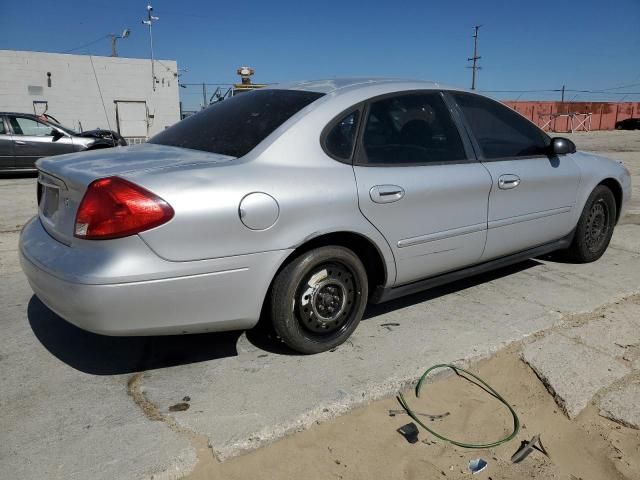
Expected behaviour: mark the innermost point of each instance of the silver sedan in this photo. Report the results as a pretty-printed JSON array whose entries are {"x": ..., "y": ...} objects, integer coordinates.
[{"x": 300, "y": 203}]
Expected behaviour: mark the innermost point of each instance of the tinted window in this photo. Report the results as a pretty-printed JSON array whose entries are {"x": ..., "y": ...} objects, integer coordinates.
[
  {"x": 500, "y": 131},
  {"x": 341, "y": 138},
  {"x": 28, "y": 126},
  {"x": 235, "y": 126},
  {"x": 2, "y": 129},
  {"x": 413, "y": 128}
]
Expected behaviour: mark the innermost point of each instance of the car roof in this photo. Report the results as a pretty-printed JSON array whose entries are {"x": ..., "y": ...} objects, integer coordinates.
[
  {"x": 333, "y": 85},
  {"x": 18, "y": 113}
]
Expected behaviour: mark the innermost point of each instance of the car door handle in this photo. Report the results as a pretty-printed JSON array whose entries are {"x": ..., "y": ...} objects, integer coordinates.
[
  {"x": 19, "y": 142},
  {"x": 386, "y": 193},
  {"x": 505, "y": 182}
]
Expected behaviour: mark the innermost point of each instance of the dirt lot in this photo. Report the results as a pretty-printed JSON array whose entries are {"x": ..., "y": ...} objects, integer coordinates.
[{"x": 364, "y": 444}]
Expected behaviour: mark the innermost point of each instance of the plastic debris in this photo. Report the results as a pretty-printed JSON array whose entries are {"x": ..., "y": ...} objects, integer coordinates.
[
  {"x": 410, "y": 432},
  {"x": 527, "y": 447},
  {"x": 393, "y": 413},
  {"x": 477, "y": 465}
]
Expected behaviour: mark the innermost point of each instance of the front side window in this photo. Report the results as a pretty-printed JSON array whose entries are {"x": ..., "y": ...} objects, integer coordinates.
[
  {"x": 341, "y": 138},
  {"x": 237, "y": 125},
  {"x": 29, "y": 126},
  {"x": 500, "y": 132},
  {"x": 3, "y": 131},
  {"x": 411, "y": 129}
]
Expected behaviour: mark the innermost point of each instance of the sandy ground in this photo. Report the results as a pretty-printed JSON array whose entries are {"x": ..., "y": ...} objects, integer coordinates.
[{"x": 364, "y": 444}]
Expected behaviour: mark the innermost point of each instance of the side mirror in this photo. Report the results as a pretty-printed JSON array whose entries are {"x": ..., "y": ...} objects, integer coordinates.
[
  {"x": 57, "y": 135},
  {"x": 562, "y": 146}
]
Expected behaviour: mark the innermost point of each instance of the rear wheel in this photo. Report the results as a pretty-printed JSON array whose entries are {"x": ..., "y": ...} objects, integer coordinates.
[
  {"x": 318, "y": 299},
  {"x": 595, "y": 227}
]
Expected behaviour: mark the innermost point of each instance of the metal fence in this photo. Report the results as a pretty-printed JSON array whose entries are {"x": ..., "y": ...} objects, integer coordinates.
[
  {"x": 575, "y": 116},
  {"x": 196, "y": 96}
]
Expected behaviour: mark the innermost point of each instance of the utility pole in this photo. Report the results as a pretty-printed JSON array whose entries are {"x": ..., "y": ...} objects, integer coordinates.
[
  {"x": 114, "y": 53},
  {"x": 562, "y": 99},
  {"x": 474, "y": 67},
  {"x": 204, "y": 95},
  {"x": 149, "y": 22},
  {"x": 114, "y": 38}
]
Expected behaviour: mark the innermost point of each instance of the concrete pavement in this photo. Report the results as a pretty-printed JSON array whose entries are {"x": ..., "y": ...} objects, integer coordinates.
[
  {"x": 593, "y": 357},
  {"x": 76, "y": 405}
]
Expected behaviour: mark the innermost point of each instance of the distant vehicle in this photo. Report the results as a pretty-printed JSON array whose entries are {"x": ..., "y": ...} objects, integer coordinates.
[
  {"x": 24, "y": 138},
  {"x": 304, "y": 202},
  {"x": 628, "y": 124}
]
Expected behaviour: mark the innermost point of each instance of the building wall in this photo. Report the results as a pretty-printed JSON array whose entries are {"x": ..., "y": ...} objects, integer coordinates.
[
  {"x": 74, "y": 95},
  {"x": 604, "y": 115}
]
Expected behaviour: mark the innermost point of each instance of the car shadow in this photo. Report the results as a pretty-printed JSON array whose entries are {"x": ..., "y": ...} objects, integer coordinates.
[
  {"x": 264, "y": 338},
  {"x": 374, "y": 311},
  {"x": 102, "y": 355}
]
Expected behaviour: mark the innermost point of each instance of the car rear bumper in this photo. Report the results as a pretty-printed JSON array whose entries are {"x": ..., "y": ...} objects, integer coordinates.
[{"x": 191, "y": 297}]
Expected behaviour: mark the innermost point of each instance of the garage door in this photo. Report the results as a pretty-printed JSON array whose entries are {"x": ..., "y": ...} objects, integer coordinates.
[{"x": 132, "y": 120}]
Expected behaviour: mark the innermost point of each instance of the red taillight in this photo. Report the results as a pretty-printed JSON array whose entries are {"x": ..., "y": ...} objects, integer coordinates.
[{"x": 113, "y": 208}]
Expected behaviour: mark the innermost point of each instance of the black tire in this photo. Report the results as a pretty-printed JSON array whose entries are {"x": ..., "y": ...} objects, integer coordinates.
[
  {"x": 318, "y": 299},
  {"x": 595, "y": 227}
]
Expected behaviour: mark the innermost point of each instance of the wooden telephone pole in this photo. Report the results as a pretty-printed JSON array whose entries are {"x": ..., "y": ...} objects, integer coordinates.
[{"x": 474, "y": 67}]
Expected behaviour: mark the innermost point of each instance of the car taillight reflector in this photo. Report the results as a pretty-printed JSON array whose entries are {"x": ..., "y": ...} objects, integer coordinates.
[{"x": 113, "y": 208}]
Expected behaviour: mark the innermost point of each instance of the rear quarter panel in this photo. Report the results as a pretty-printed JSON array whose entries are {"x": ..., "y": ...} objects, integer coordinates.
[{"x": 315, "y": 194}]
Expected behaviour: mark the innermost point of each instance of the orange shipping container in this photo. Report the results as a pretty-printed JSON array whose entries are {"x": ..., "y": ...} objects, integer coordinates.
[{"x": 565, "y": 116}]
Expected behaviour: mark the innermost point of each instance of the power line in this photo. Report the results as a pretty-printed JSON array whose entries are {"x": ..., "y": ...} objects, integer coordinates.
[
  {"x": 207, "y": 84},
  {"x": 86, "y": 44},
  {"x": 522, "y": 91},
  {"x": 622, "y": 86},
  {"x": 551, "y": 90},
  {"x": 608, "y": 92},
  {"x": 95, "y": 75},
  {"x": 166, "y": 67}
]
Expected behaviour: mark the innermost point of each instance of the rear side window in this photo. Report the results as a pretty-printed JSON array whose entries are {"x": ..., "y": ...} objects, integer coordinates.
[
  {"x": 3, "y": 131},
  {"x": 500, "y": 132},
  {"x": 411, "y": 129},
  {"x": 341, "y": 138},
  {"x": 236, "y": 126}
]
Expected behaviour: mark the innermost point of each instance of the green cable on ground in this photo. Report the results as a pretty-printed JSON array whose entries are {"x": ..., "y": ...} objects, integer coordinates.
[{"x": 485, "y": 386}]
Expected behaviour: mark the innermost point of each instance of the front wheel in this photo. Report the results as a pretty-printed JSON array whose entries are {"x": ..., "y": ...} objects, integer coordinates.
[
  {"x": 318, "y": 299},
  {"x": 595, "y": 227}
]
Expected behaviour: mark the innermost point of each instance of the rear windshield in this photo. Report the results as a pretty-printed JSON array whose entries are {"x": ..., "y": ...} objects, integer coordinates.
[{"x": 235, "y": 126}]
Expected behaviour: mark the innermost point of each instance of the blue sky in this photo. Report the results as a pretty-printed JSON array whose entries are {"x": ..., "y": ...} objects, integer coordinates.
[{"x": 525, "y": 45}]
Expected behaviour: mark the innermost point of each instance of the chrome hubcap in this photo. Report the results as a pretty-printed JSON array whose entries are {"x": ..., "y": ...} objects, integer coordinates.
[{"x": 326, "y": 298}]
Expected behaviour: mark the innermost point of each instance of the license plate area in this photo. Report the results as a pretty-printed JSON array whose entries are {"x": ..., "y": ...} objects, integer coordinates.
[
  {"x": 49, "y": 195},
  {"x": 49, "y": 202}
]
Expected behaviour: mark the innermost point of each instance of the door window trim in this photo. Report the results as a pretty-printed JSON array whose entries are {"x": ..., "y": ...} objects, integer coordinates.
[
  {"x": 448, "y": 94},
  {"x": 359, "y": 158},
  {"x": 359, "y": 107},
  {"x": 5, "y": 124}
]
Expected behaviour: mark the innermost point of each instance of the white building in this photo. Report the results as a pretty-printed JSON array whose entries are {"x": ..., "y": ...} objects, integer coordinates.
[{"x": 87, "y": 92}]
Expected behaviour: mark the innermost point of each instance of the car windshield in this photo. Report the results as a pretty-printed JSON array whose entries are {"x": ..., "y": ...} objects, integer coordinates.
[
  {"x": 237, "y": 125},
  {"x": 55, "y": 123}
]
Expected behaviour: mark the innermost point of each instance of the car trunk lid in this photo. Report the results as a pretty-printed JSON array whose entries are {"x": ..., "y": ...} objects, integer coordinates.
[{"x": 63, "y": 179}]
